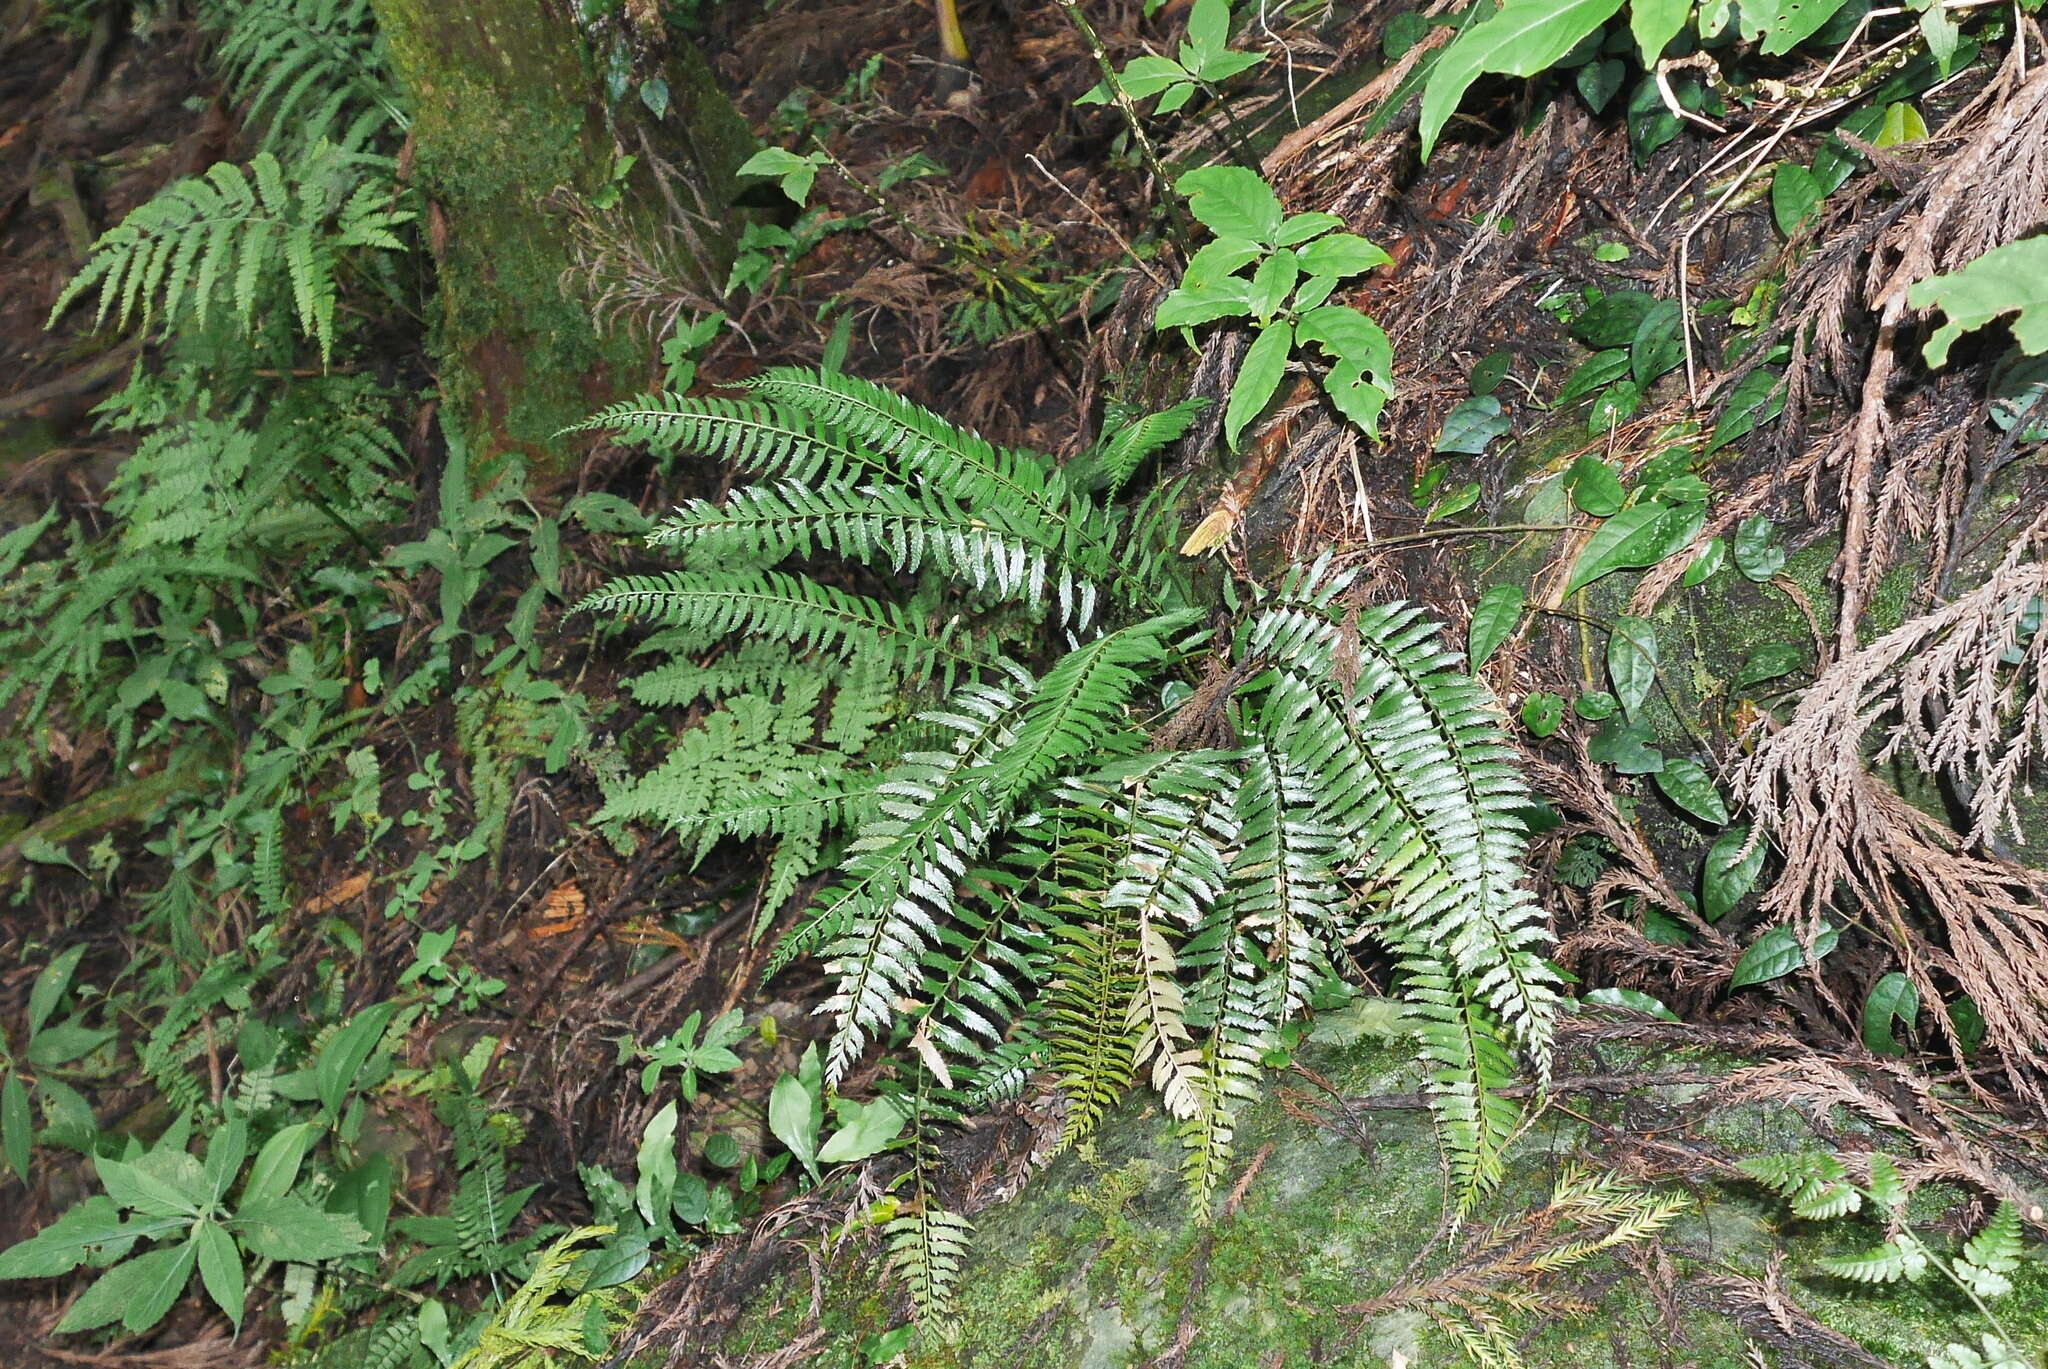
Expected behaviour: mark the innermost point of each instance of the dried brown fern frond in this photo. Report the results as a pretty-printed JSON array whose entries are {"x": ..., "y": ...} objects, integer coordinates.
[{"x": 1963, "y": 693}]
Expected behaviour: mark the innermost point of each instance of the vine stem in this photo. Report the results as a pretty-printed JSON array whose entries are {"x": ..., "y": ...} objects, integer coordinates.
[
  {"x": 1176, "y": 220},
  {"x": 1491, "y": 529}
]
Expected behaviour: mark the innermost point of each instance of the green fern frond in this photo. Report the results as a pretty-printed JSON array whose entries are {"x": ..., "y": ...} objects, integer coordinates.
[
  {"x": 1023, "y": 490},
  {"x": 1284, "y": 888},
  {"x": 927, "y": 1250},
  {"x": 305, "y": 70},
  {"x": 1086, "y": 1018},
  {"x": 1124, "y": 446},
  {"x": 1469, "y": 1060},
  {"x": 905, "y": 530},
  {"x": 753, "y": 437},
  {"x": 1899, "y": 1258},
  {"x": 233, "y": 233},
  {"x": 786, "y": 608}
]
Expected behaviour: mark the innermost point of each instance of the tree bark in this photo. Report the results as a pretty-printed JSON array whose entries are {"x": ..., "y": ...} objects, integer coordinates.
[{"x": 520, "y": 116}]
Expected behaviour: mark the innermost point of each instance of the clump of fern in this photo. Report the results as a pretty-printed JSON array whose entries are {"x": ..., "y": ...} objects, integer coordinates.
[
  {"x": 305, "y": 71},
  {"x": 1041, "y": 880}
]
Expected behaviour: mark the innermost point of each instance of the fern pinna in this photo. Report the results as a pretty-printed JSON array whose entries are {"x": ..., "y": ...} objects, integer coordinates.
[{"x": 1021, "y": 878}]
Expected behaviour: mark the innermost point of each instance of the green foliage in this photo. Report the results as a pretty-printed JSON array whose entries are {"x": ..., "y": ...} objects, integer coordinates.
[
  {"x": 307, "y": 71},
  {"x": 1819, "y": 1187},
  {"x": 1206, "y": 60},
  {"x": 230, "y": 237},
  {"x": 1296, "y": 263},
  {"x": 1033, "y": 877},
  {"x": 2005, "y": 280}
]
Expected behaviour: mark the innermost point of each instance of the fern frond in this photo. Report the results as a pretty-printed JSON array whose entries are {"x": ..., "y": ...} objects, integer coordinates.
[
  {"x": 1124, "y": 446},
  {"x": 906, "y": 530},
  {"x": 1086, "y": 1018},
  {"x": 754, "y": 437},
  {"x": 230, "y": 232},
  {"x": 1898, "y": 1258},
  {"x": 1023, "y": 490},
  {"x": 1469, "y": 1061},
  {"x": 786, "y": 608},
  {"x": 1283, "y": 883},
  {"x": 306, "y": 70},
  {"x": 927, "y": 1250}
]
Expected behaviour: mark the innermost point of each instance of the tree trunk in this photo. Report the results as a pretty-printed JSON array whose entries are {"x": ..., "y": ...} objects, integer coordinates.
[{"x": 520, "y": 116}]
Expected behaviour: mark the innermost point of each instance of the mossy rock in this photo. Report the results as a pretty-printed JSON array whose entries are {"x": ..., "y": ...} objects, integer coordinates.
[{"x": 1100, "y": 1262}]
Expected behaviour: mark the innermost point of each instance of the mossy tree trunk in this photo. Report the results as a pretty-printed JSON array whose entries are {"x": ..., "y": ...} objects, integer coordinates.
[{"x": 521, "y": 113}]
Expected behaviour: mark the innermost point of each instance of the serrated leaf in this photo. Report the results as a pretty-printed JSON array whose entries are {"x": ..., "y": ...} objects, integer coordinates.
[
  {"x": 1686, "y": 783},
  {"x": 1522, "y": 39},
  {"x": 94, "y": 1224},
  {"x": 1342, "y": 255},
  {"x": 1233, "y": 202},
  {"x": 1631, "y": 660},
  {"x": 1494, "y": 617},
  {"x": 50, "y": 986},
  {"x": 292, "y": 1229},
  {"x": 1777, "y": 953},
  {"x": 161, "y": 1183},
  {"x": 2012, "y": 279},
  {"x": 135, "y": 1293},
  {"x": 1258, "y": 376}
]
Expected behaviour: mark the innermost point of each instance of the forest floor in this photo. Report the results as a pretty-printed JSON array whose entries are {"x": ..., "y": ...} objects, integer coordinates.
[{"x": 993, "y": 289}]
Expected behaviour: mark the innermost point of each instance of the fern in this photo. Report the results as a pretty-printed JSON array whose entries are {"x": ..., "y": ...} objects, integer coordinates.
[
  {"x": 1047, "y": 889},
  {"x": 223, "y": 238},
  {"x": 306, "y": 70}
]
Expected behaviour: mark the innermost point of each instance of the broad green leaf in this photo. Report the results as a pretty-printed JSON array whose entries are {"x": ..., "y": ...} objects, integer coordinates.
[
  {"x": 1349, "y": 336},
  {"x": 657, "y": 1165},
  {"x": 1756, "y": 399},
  {"x": 1686, "y": 783},
  {"x": 1271, "y": 282},
  {"x": 1599, "y": 82},
  {"x": 1453, "y": 503},
  {"x": 135, "y": 1293},
  {"x": 1342, "y": 255},
  {"x": 1357, "y": 395},
  {"x": 1836, "y": 161},
  {"x": 1777, "y": 953},
  {"x": 161, "y": 1183},
  {"x": 1542, "y": 713},
  {"x": 1596, "y": 371},
  {"x": 1258, "y": 376},
  {"x": 1635, "y": 1000},
  {"x": 17, "y": 1125},
  {"x": 1631, "y": 660},
  {"x": 864, "y": 1129},
  {"x": 1229, "y": 297},
  {"x": 94, "y": 1224},
  {"x": 1525, "y": 37},
  {"x": 1902, "y": 125},
  {"x": 1795, "y": 194},
  {"x": 1470, "y": 426},
  {"x": 293, "y": 1229},
  {"x": 1614, "y": 319},
  {"x": 65, "y": 1042},
  {"x": 1614, "y": 406},
  {"x": 1595, "y": 704},
  {"x": 1489, "y": 372},
  {"x": 791, "y": 1118},
  {"x": 1494, "y": 617},
  {"x": 1771, "y": 661},
  {"x": 220, "y": 1270},
  {"x": 346, "y": 1052},
  {"x": 1626, "y": 746},
  {"x": 1218, "y": 259},
  {"x": 1712, "y": 556},
  {"x": 1655, "y": 23},
  {"x": 1784, "y": 24},
  {"x": 50, "y": 986},
  {"x": 1299, "y": 228},
  {"x": 1658, "y": 345},
  {"x": 1892, "y": 997},
  {"x": 225, "y": 1151},
  {"x": 277, "y": 1164},
  {"x": 1209, "y": 25},
  {"x": 2012, "y": 279},
  {"x": 1729, "y": 872},
  {"x": 1758, "y": 553},
  {"x": 1595, "y": 487},
  {"x": 1233, "y": 202},
  {"x": 1639, "y": 536}
]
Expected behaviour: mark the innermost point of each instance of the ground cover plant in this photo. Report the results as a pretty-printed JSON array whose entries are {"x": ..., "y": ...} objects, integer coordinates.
[{"x": 664, "y": 654}]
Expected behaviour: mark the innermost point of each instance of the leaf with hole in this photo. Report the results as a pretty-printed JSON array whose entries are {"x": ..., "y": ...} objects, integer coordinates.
[
  {"x": 1777, "y": 953},
  {"x": 1489, "y": 371},
  {"x": 1626, "y": 746},
  {"x": 1542, "y": 713},
  {"x": 2012, "y": 279}
]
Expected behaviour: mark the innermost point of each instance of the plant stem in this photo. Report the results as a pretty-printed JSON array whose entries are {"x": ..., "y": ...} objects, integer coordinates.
[
  {"x": 1176, "y": 220},
  {"x": 1488, "y": 531}
]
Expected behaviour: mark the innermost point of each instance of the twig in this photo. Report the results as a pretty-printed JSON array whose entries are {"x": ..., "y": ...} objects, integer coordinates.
[
  {"x": 1104, "y": 224},
  {"x": 1176, "y": 221}
]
